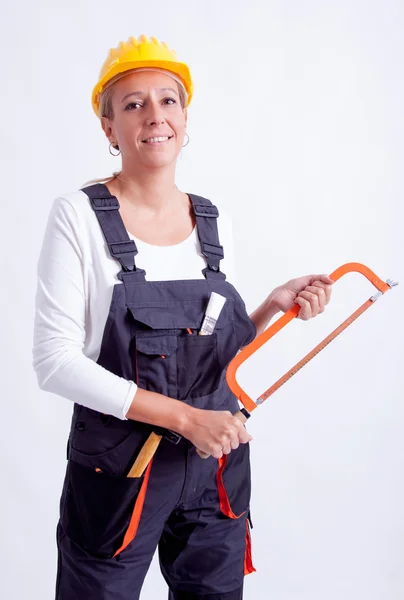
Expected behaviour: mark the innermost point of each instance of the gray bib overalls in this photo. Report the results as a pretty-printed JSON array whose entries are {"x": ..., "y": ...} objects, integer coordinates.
[{"x": 195, "y": 511}]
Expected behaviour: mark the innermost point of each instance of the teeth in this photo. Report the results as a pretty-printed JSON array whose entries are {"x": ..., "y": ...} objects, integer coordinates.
[{"x": 156, "y": 139}]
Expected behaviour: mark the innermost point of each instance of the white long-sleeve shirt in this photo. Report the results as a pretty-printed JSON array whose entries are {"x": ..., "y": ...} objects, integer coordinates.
[{"x": 76, "y": 276}]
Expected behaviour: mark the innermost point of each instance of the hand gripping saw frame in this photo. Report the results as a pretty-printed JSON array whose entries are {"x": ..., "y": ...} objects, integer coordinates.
[
  {"x": 149, "y": 448},
  {"x": 248, "y": 403}
]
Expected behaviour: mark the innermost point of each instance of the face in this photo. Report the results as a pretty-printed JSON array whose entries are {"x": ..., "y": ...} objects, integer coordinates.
[{"x": 146, "y": 105}]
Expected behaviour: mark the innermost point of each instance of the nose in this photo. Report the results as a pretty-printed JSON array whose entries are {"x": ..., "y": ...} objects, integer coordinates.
[
  {"x": 155, "y": 121},
  {"x": 155, "y": 114}
]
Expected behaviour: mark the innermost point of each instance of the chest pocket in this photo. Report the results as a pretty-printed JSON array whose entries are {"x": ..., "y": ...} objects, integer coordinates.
[
  {"x": 156, "y": 363},
  {"x": 171, "y": 358}
]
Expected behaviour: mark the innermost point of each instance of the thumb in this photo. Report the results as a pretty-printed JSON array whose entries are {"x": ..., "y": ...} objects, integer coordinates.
[{"x": 326, "y": 279}]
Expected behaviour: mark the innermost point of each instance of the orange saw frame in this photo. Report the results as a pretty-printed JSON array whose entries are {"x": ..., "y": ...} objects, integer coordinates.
[{"x": 260, "y": 340}]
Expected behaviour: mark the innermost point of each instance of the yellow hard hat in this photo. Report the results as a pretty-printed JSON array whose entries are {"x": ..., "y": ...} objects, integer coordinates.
[{"x": 139, "y": 53}]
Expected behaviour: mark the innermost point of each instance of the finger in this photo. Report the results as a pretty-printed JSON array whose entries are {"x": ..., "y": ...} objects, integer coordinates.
[
  {"x": 310, "y": 279},
  {"x": 305, "y": 309},
  {"x": 228, "y": 439},
  {"x": 326, "y": 279},
  {"x": 217, "y": 452},
  {"x": 320, "y": 293},
  {"x": 327, "y": 289},
  {"x": 313, "y": 301},
  {"x": 234, "y": 442},
  {"x": 243, "y": 436},
  {"x": 321, "y": 277},
  {"x": 226, "y": 449}
]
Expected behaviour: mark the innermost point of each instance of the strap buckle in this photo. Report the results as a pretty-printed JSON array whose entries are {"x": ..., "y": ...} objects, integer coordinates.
[
  {"x": 121, "y": 248},
  {"x": 212, "y": 249},
  {"x": 204, "y": 210},
  {"x": 110, "y": 203},
  {"x": 125, "y": 252}
]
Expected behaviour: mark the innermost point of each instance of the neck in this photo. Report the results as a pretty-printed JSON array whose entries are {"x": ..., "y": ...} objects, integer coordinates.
[{"x": 148, "y": 188}]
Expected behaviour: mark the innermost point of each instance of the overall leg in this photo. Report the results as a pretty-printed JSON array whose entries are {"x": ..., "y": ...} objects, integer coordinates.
[
  {"x": 83, "y": 576},
  {"x": 202, "y": 555},
  {"x": 204, "y": 548}
]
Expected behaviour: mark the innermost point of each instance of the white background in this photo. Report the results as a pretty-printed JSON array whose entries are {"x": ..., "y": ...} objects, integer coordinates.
[{"x": 297, "y": 130}]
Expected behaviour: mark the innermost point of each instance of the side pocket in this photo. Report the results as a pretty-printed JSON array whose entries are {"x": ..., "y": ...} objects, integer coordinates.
[
  {"x": 233, "y": 480},
  {"x": 102, "y": 511}
]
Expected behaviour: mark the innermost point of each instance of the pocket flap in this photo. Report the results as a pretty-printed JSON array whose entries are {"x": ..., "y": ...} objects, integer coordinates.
[
  {"x": 160, "y": 344},
  {"x": 178, "y": 315}
]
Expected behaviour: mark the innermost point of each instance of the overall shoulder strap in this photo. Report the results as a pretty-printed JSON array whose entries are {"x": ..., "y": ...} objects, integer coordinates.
[
  {"x": 206, "y": 215},
  {"x": 121, "y": 247}
]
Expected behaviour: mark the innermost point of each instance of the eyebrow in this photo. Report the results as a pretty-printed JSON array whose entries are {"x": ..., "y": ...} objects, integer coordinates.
[{"x": 141, "y": 93}]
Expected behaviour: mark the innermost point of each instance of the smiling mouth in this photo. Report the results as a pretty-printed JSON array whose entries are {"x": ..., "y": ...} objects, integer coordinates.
[{"x": 157, "y": 140}]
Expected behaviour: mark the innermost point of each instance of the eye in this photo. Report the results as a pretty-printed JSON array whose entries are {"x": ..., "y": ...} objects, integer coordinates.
[
  {"x": 170, "y": 99},
  {"x": 132, "y": 104}
]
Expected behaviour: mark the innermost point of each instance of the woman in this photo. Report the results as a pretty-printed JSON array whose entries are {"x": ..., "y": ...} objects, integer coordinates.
[{"x": 124, "y": 277}]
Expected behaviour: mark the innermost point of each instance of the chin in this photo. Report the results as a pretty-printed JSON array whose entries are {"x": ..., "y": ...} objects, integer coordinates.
[{"x": 160, "y": 161}]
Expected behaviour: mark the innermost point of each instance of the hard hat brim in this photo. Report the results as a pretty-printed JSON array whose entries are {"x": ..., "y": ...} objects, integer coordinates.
[{"x": 178, "y": 68}]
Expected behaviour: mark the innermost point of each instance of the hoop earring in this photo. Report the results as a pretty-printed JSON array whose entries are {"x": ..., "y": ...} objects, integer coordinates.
[
  {"x": 111, "y": 146},
  {"x": 187, "y": 141}
]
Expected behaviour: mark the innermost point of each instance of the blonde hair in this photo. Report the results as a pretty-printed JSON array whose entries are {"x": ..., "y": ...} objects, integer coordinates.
[{"x": 106, "y": 110}]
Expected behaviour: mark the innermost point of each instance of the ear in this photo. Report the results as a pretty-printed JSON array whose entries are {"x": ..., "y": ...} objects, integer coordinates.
[
  {"x": 186, "y": 115},
  {"x": 106, "y": 125}
]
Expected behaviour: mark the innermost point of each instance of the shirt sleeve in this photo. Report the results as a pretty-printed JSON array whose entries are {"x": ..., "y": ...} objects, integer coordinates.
[{"x": 60, "y": 365}]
